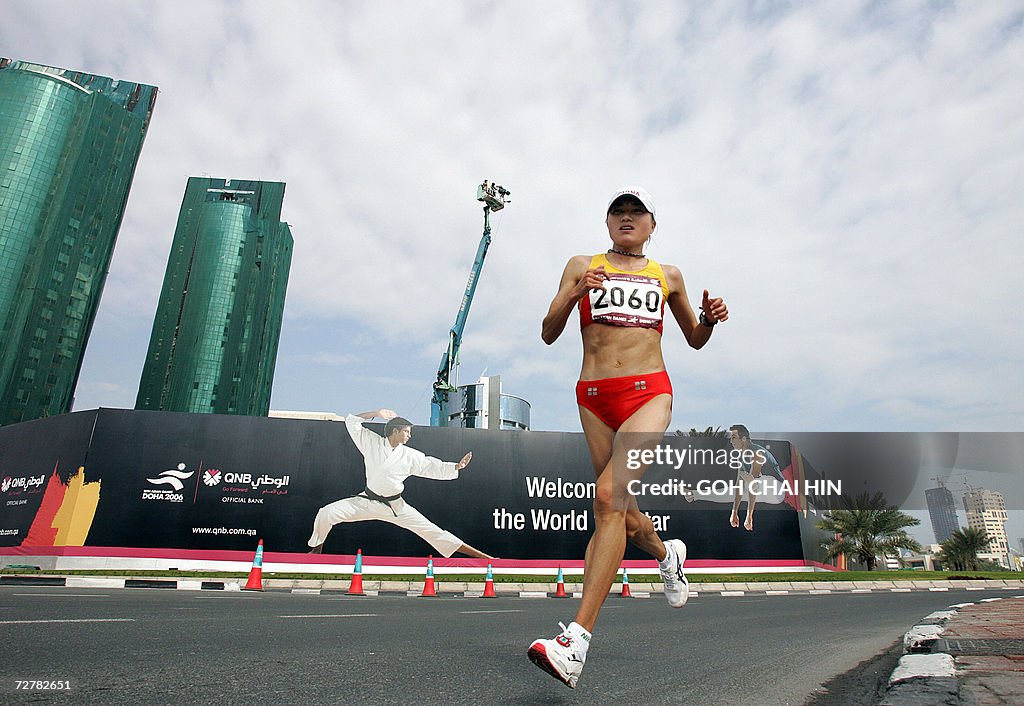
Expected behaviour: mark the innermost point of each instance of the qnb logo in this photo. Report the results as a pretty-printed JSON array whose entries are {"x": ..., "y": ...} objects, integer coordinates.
[
  {"x": 23, "y": 483},
  {"x": 172, "y": 477},
  {"x": 211, "y": 476}
]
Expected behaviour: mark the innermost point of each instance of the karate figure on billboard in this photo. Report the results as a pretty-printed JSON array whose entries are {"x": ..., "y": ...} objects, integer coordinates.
[
  {"x": 388, "y": 463},
  {"x": 762, "y": 465}
]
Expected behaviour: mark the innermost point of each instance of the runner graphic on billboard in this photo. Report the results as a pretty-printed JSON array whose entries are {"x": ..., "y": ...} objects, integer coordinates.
[
  {"x": 388, "y": 463},
  {"x": 762, "y": 463}
]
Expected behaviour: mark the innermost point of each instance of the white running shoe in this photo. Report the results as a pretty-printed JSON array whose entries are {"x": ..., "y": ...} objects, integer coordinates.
[
  {"x": 562, "y": 657},
  {"x": 677, "y": 588}
]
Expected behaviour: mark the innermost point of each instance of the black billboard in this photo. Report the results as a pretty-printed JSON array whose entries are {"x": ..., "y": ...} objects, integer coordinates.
[{"x": 218, "y": 482}]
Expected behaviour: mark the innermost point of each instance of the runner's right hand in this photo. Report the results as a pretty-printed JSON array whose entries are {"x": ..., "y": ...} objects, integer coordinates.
[{"x": 592, "y": 279}]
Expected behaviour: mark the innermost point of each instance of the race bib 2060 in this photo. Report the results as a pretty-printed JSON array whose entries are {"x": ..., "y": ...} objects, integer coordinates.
[{"x": 628, "y": 300}]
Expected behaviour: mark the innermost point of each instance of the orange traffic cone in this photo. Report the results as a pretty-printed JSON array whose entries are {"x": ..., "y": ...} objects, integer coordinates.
[
  {"x": 255, "y": 582},
  {"x": 560, "y": 587},
  {"x": 428, "y": 583},
  {"x": 356, "y": 587},
  {"x": 625, "y": 584},
  {"x": 489, "y": 584}
]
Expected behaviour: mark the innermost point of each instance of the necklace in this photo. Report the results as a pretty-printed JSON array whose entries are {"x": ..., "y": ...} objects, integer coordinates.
[{"x": 627, "y": 254}]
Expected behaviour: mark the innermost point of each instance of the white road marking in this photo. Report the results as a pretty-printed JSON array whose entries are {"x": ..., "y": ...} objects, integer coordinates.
[
  {"x": 475, "y": 612},
  {"x": 335, "y": 615},
  {"x": 69, "y": 595},
  {"x": 75, "y": 620}
]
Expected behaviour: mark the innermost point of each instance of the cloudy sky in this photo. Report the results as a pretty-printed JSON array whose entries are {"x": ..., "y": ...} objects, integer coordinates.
[{"x": 846, "y": 175}]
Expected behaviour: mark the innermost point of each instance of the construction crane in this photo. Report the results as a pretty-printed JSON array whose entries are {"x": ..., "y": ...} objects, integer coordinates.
[
  {"x": 940, "y": 481},
  {"x": 494, "y": 198}
]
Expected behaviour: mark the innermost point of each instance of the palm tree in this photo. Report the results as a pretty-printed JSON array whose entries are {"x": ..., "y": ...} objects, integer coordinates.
[
  {"x": 866, "y": 529},
  {"x": 713, "y": 432},
  {"x": 960, "y": 551}
]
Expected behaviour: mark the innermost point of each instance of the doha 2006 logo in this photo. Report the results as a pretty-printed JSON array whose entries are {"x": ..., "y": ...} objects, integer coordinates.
[
  {"x": 168, "y": 485},
  {"x": 213, "y": 483}
]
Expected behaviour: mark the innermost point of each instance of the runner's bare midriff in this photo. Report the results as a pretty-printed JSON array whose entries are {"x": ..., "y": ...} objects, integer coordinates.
[{"x": 619, "y": 351}]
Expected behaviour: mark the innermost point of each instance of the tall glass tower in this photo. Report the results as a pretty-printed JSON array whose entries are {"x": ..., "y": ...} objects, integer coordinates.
[
  {"x": 214, "y": 342},
  {"x": 942, "y": 512},
  {"x": 69, "y": 143}
]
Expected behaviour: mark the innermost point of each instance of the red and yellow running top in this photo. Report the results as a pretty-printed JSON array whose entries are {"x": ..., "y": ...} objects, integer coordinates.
[{"x": 634, "y": 299}]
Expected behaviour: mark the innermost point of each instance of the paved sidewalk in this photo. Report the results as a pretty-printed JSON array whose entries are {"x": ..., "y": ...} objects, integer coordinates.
[
  {"x": 972, "y": 655},
  {"x": 986, "y": 641}
]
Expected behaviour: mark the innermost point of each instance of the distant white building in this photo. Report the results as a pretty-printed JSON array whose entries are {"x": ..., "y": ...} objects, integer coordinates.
[
  {"x": 986, "y": 510},
  {"x": 925, "y": 560},
  {"x": 483, "y": 405},
  {"x": 318, "y": 416}
]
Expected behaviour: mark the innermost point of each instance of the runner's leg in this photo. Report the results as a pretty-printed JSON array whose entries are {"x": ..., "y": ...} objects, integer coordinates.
[
  {"x": 751, "y": 502},
  {"x": 646, "y": 428},
  {"x": 612, "y": 502},
  {"x": 734, "y": 518}
]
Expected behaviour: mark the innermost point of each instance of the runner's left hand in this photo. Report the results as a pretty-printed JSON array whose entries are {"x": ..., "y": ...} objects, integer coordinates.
[
  {"x": 715, "y": 308},
  {"x": 464, "y": 462}
]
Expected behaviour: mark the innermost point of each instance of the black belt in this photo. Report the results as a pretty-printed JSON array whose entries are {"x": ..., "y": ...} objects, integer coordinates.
[{"x": 386, "y": 499}]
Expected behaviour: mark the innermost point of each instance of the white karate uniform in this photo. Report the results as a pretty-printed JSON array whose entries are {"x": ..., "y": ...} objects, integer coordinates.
[{"x": 386, "y": 471}]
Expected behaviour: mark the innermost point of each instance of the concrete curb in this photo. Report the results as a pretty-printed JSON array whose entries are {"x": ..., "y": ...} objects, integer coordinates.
[
  {"x": 339, "y": 586},
  {"x": 923, "y": 680},
  {"x": 917, "y": 666},
  {"x": 920, "y": 638}
]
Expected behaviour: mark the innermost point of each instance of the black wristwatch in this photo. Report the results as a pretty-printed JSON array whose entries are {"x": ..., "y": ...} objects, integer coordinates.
[{"x": 705, "y": 320}]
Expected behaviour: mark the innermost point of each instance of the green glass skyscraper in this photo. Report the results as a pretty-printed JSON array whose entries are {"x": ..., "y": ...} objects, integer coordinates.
[
  {"x": 214, "y": 342},
  {"x": 69, "y": 143}
]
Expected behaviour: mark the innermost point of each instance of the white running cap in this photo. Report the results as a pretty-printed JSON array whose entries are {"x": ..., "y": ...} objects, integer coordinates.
[{"x": 637, "y": 193}]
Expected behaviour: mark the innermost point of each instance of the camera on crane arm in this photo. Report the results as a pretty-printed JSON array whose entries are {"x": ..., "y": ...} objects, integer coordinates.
[{"x": 494, "y": 195}]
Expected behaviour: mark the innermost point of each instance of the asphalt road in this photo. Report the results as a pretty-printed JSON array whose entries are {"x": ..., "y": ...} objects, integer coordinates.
[{"x": 141, "y": 646}]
